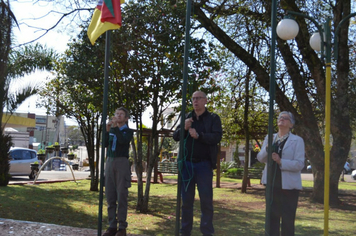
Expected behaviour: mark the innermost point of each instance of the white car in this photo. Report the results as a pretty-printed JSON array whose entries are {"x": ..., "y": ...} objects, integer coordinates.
[
  {"x": 353, "y": 174},
  {"x": 346, "y": 170},
  {"x": 20, "y": 162}
]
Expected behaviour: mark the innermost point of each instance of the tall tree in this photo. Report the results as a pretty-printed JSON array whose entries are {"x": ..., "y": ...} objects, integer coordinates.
[
  {"x": 14, "y": 64},
  {"x": 149, "y": 70},
  {"x": 77, "y": 92},
  {"x": 300, "y": 77}
]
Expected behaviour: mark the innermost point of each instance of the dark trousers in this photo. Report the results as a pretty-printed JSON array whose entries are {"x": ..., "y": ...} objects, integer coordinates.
[
  {"x": 200, "y": 174},
  {"x": 284, "y": 206}
]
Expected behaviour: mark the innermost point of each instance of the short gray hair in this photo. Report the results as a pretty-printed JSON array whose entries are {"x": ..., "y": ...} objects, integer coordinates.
[
  {"x": 291, "y": 116},
  {"x": 127, "y": 113}
]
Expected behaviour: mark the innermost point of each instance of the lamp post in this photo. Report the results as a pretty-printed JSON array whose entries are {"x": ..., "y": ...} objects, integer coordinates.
[
  {"x": 272, "y": 92},
  {"x": 288, "y": 29}
]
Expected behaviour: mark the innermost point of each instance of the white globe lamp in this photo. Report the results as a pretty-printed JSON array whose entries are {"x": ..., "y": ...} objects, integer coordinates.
[
  {"x": 287, "y": 29},
  {"x": 315, "y": 41}
]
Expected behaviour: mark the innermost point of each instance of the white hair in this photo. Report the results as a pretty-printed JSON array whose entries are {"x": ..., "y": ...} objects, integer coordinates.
[{"x": 291, "y": 116}]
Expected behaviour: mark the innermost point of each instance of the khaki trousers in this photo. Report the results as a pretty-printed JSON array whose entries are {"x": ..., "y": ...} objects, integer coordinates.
[{"x": 117, "y": 182}]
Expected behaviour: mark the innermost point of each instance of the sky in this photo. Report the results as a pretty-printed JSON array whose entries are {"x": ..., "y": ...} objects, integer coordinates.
[
  {"x": 29, "y": 14},
  {"x": 36, "y": 15},
  {"x": 24, "y": 11}
]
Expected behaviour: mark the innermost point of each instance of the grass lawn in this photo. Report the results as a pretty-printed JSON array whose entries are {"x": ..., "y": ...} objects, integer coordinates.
[{"x": 73, "y": 204}]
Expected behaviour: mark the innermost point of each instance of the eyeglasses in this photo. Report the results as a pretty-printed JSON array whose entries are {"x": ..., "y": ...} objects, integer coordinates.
[
  {"x": 283, "y": 118},
  {"x": 120, "y": 114},
  {"x": 197, "y": 98}
]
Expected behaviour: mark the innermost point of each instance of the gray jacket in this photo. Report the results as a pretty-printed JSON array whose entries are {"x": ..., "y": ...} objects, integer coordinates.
[{"x": 292, "y": 162}]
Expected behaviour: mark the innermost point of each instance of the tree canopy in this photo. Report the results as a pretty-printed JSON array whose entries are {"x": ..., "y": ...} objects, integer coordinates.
[
  {"x": 300, "y": 74},
  {"x": 242, "y": 31}
]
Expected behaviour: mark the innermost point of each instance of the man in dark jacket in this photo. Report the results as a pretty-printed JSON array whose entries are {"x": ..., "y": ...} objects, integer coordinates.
[
  {"x": 202, "y": 133},
  {"x": 117, "y": 171}
]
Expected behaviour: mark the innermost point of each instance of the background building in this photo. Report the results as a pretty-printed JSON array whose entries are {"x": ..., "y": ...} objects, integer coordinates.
[{"x": 40, "y": 130}]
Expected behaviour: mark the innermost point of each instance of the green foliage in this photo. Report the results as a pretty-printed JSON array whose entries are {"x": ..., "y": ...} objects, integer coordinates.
[
  {"x": 236, "y": 157},
  {"x": 259, "y": 165},
  {"x": 6, "y": 17},
  {"x": 150, "y": 49},
  {"x": 5, "y": 144},
  {"x": 148, "y": 67},
  {"x": 75, "y": 137},
  {"x": 237, "y": 173},
  {"x": 41, "y": 151},
  {"x": 299, "y": 77},
  {"x": 26, "y": 60},
  {"x": 23, "y": 61},
  {"x": 225, "y": 166},
  {"x": 145, "y": 70},
  {"x": 17, "y": 62},
  {"x": 233, "y": 173}
]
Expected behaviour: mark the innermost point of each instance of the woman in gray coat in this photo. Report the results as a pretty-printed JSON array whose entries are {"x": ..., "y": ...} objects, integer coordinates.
[{"x": 288, "y": 160}]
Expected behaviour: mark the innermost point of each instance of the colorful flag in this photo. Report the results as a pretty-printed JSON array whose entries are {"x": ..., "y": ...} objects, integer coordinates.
[{"x": 107, "y": 16}]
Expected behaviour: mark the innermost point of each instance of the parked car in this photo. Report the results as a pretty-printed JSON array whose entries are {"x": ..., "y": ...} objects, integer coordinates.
[
  {"x": 346, "y": 170},
  {"x": 20, "y": 162},
  {"x": 353, "y": 174}
]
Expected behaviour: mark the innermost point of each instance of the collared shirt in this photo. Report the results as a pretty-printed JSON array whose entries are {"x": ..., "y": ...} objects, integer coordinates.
[{"x": 118, "y": 141}]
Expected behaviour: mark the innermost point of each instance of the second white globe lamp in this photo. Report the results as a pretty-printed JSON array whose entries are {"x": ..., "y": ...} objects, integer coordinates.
[
  {"x": 287, "y": 29},
  {"x": 315, "y": 41}
]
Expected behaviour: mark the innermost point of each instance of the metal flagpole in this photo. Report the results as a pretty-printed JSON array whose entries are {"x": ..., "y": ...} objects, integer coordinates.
[
  {"x": 272, "y": 91},
  {"x": 105, "y": 105},
  {"x": 182, "y": 120}
]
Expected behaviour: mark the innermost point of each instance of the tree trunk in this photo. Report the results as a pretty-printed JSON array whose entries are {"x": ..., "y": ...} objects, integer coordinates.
[
  {"x": 98, "y": 159},
  {"x": 153, "y": 152},
  {"x": 88, "y": 128},
  {"x": 306, "y": 105},
  {"x": 152, "y": 160},
  {"x": 138, "y": 163},
  {"x": 247, "y": 135}
]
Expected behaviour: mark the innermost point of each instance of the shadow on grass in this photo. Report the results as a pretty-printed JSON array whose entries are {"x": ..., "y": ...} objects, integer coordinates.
[
  {"x": 244, "y": 214},
  {"x": 229, "y": 218},
  {"x": 70, "y": 205},
  {"x": 234, "y": 213}
]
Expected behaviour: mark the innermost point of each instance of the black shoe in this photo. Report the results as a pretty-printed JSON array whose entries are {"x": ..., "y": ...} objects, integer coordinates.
[
  {"x": 121, "y": 232},
  {"x": 110, "y": 232}
]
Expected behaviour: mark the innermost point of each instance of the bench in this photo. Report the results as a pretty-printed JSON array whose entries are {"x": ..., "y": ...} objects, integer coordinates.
[
  {"x": 167, "y": 167},
  {"x": 253, "y": 173}
]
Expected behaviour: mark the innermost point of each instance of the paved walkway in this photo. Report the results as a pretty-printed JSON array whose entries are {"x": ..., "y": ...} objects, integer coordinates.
[{"x": 19, "y": 228}]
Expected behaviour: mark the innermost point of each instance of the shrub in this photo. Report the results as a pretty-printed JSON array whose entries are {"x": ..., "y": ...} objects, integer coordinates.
[
  {"x": 259, "y": 165},
  {"x": 233, "y": 173},
  {"x": 225, "y": 166},
  {"x": 41, "y": 151},
  {"x": 5, "y": 144}
]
